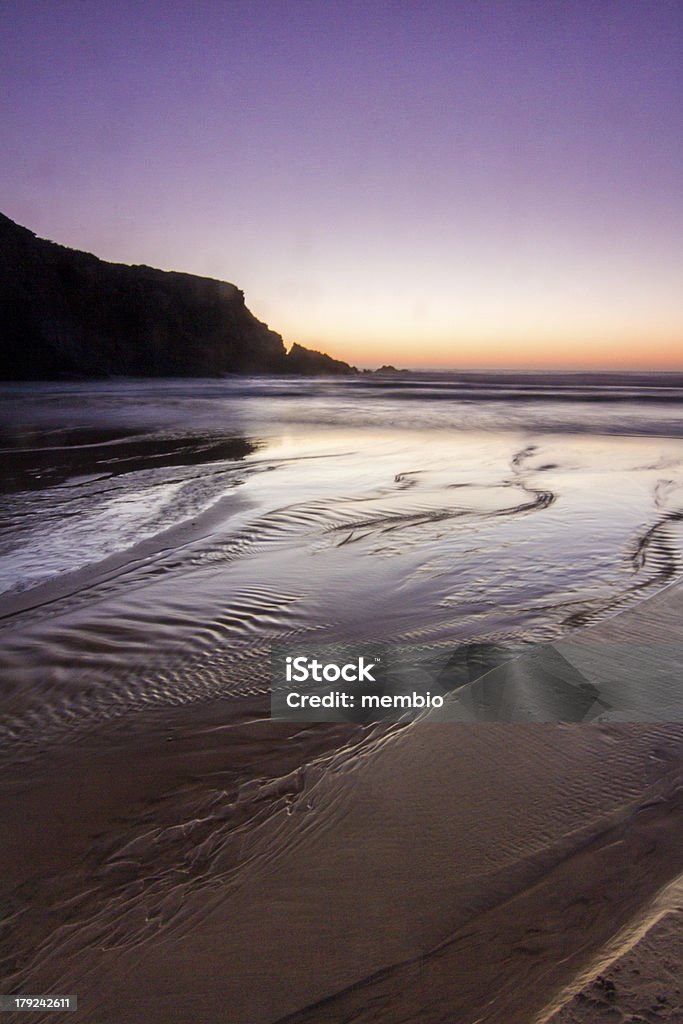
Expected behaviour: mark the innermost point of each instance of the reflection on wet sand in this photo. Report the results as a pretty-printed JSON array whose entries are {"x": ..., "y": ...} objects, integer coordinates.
[{"x": 255, "y": 870}]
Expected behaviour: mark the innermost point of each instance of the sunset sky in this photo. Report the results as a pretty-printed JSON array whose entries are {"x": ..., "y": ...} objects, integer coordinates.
[{"x": 466, "y": 183}]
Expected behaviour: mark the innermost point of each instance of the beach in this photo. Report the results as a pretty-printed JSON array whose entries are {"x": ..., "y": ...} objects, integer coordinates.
[
  {"x": 643, "y": 984},
  {"x": 171, "y": 853}
]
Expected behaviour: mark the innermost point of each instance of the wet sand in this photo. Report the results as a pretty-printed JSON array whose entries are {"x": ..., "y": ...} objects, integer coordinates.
[
  {"x": 433, "y": 872},
  {"x": 170, "y": 854},
  {"x": 645, "y": 984},
  {"x": 100, "y": 454}
]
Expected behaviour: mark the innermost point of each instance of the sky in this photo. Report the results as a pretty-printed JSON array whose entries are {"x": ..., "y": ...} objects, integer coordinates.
[{"x": 467, "y": 183}]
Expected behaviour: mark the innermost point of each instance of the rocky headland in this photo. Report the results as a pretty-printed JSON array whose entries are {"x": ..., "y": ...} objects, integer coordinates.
[{"x": 67, "y": 314}]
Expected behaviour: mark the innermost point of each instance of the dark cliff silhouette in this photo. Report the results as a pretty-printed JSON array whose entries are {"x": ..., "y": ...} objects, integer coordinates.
[{"x": 65, "y": 313}]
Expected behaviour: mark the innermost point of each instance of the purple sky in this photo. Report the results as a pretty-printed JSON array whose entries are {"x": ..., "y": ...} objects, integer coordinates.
[{"x": 431, "y": 183}]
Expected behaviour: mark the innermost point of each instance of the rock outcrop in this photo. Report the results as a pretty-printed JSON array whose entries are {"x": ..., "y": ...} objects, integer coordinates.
[
  {"x": 65, "y": 313},
  {"x": 308, "y": 362}
]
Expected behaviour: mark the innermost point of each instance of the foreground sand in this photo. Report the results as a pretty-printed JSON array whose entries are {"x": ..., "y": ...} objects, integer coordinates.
[
  {"x": 208, "y": 867},
  {"x": 643, "y": 985}
]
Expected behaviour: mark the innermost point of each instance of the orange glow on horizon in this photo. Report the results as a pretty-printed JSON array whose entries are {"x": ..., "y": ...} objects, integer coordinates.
[
  {"x": 568, "y": 319},
  {"x": 553, "y": 352}
]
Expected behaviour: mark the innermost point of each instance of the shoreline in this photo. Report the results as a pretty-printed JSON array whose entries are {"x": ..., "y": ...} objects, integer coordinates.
[{"x": 208, "y": 863}]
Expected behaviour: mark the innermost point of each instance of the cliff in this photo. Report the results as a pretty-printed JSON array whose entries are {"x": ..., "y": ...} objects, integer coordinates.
[{"x": 65, "y": 313}]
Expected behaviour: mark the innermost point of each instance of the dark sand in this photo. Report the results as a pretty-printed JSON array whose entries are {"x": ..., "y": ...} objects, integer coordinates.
[
  {"x": 191, "y": 866},
  {"x": 643, "y": 986},
  {"x": 170, "y": 855}
]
